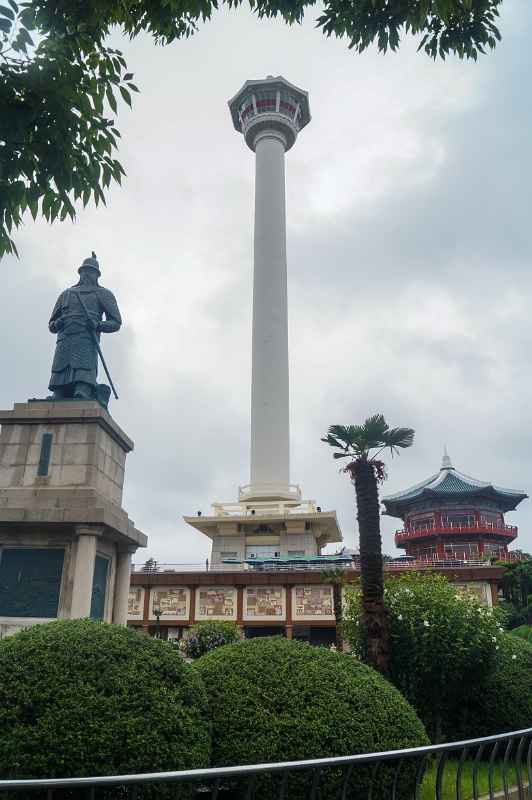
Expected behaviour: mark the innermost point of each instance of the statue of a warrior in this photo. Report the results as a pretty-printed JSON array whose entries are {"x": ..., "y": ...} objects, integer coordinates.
[{"x": 78, "y": 320}]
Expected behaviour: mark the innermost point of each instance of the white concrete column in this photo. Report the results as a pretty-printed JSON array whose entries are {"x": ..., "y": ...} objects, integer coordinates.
[
  {"x": 84, "y": 570},
  {"x": 270, "y": 389},
  {"x": 122, "y": 581}
]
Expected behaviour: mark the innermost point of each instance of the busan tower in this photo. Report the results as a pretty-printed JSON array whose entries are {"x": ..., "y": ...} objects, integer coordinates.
[{"x": 269, "y": 114}]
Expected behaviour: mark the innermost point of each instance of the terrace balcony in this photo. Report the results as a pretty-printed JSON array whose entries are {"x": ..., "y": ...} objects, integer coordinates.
[{"x": 507, "y": 532}]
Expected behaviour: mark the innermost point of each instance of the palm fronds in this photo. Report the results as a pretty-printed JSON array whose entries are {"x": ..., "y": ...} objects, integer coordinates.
[{"x": 357, "y": 441}]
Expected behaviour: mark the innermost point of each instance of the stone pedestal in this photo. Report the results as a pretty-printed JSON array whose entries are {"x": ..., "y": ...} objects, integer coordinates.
[{"x": 65, "y": 540}]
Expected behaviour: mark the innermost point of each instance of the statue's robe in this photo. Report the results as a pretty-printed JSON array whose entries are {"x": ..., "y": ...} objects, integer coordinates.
[{"x": 76, "y": 357}]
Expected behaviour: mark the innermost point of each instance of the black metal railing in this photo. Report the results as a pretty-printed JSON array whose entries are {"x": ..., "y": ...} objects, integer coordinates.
[{"x": 494, "y": 766}]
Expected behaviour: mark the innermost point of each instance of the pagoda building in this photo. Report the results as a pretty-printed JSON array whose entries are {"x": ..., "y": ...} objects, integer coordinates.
[{"x": 453, "y": 516}]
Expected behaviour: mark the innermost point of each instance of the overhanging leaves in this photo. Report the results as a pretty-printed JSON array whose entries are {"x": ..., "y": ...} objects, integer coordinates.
[{"x": 57, "y": 100}]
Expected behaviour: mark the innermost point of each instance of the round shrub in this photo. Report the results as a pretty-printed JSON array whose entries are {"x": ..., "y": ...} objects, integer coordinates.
[
  {"x": 206, "y": 636},
  {"x": 272, "y": 699},
  {"x": 503, "y": 701},
  {"x": 443, "y": 645},
  {"x": 80, "y": 698}
]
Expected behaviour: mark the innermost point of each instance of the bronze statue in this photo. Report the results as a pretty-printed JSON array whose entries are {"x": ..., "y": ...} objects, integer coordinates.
[{"x": 77, "y": 318}]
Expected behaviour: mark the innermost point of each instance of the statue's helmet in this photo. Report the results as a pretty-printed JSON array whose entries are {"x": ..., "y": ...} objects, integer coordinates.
[{"x": 91, "y": 263}]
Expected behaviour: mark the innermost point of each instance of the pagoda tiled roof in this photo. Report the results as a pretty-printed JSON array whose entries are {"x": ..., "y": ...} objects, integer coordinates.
[{"x": 452, "y": 484}]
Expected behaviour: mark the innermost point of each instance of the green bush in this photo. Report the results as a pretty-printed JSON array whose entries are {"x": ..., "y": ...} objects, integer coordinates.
[
  {"x": 514, "y": 616},
  {"x": 524, "y": 632},
  {"x": 206, "y": 636},
  {"x": 277, "y": 700},
  {"x": 82, "y": 698},
  {"x": 443, "y": 645},
  {"x": 502, "y": 702}
]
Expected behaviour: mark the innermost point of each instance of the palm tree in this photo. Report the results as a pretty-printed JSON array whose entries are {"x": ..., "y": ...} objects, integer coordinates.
[
  {"x": 357, "y": 442},
  {"x": 336, "y": 577}
]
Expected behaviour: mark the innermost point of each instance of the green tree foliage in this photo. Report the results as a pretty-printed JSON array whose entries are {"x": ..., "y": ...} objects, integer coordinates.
[
  {"x": 206, "y": 636},
  {"x": 517, "y": 583},
  {"x": 59, "y": 82},
  {"x": 57, "y": 127},
  {"x": 356, "y": 442},
  {"x": 524, "y": 632},
  {"x": 442, "y": 645},
  {"x": 276, "y": 700},
  {"x": 84, "y": 698},
  {"x": 463, "y": 27}
]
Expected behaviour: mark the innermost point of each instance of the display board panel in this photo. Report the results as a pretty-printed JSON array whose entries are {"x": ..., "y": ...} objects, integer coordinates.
[
  {"x": 135, "y": 603},
  {"x": 172, "y": 601},
  {"x": 30, "y": 581},
  {"x": 216, "y": 602},
  {"x": 264, "y": 603},
  {"x": 312, "y": 603}
]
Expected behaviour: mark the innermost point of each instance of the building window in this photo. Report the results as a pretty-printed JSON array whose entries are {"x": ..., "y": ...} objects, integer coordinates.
[
  {"x": 246, "y": 108},
  {"x": 463, "y": 519},
  {"x": 99, "y": 587},
  {"x": 232, "y": 554},
  {"x": 493, "y": 549},
  {"x": 423, "y": 523},
  {"x": 296, "y": 553},
  {"x": 46, "y": 452},
  {"x": 462, "y": 550},
  {"x": 491, "y": 519},
  {"x": 266, "y": 101},
  {"x": 262, "y": 551},
  {"x": 288, "y": 104},
  {"x": 30, "y": 582}
]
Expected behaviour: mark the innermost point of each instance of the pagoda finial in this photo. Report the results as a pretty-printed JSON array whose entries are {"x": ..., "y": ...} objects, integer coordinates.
[{"x": 446, "y": 462}]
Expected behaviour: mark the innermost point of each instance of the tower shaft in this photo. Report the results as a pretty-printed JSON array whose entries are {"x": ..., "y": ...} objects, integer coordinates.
[{"x": 270, "y": 449}]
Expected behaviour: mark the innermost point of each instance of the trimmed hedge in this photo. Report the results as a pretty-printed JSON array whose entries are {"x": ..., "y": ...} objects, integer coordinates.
[
  {"x": 277, "y": 700},
  {"x": 503, "y": 701},
  {"x": 80, "y": 698},
  {"x": 206, "y": 636}
]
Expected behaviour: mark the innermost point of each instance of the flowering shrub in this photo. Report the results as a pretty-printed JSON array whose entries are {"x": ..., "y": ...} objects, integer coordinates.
[
  {"x": 443, "y": 645},
  {"x": 207, "y": 636},
  {"x": 503, "y": 701}
]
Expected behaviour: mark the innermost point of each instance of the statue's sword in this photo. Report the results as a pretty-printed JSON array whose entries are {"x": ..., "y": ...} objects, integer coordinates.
[{"x": 96, "y": 342}]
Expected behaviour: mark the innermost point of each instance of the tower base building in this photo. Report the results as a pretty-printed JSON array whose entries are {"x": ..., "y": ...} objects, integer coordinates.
[{"x": 275, "y": 531}]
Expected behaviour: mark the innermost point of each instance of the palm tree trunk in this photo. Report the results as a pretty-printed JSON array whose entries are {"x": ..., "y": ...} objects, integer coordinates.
[{"x": 374, "y": 614}]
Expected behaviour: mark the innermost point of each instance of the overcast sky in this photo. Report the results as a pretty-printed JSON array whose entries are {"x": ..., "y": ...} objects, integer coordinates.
[{"x": 409, "y": 247}]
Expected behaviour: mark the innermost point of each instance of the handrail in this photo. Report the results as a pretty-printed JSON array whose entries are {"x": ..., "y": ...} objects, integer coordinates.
[
  {"x": 509, "y": 531},
  {"x": 253, "y": 769}
]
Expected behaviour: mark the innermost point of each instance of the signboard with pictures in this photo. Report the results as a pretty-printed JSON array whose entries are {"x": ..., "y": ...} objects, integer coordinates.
[
  {"x": 216, "y": 602},
  {"x": 264, "y": 602},
  {"x": 173, "y": 602},
  {"x": 135, "y": 603},
  {"x": 313, "y": 602}
]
